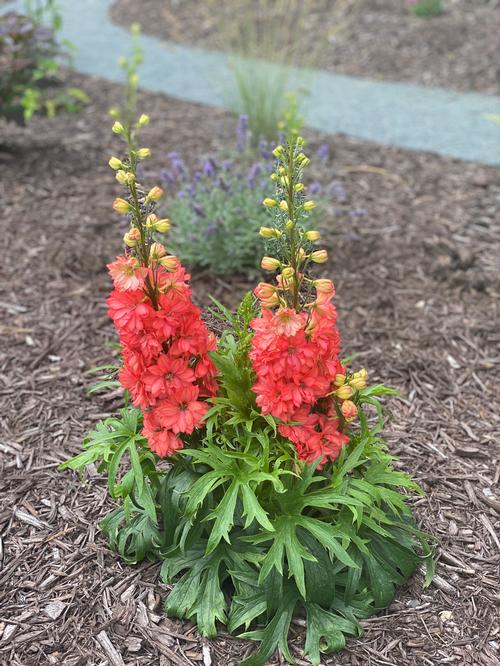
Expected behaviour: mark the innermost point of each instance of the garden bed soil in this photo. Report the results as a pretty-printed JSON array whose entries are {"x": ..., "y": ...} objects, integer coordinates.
[
  {"x": 377, "y": 39},
  {"x": 418, "y": 298}
]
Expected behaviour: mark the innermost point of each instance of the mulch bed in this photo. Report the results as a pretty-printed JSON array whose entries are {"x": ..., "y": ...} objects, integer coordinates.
[
  {"x": 418, "y": 294},
  {"x": 377, "y": 39}
]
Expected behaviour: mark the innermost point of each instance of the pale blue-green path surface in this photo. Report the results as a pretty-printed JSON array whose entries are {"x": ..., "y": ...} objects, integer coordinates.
[{"x": 434, "y": 119}]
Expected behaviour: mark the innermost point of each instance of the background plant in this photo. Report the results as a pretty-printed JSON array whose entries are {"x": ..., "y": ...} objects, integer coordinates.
[
  {"x": 264, "y": 40},
  {"x": 30, "y": 60},
  {"x": 425, "y": 8},
  {"x": 217, "y": 206}
]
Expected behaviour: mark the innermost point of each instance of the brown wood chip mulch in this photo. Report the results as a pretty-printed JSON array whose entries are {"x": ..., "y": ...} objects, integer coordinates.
[{"x": 415, "y": 249}]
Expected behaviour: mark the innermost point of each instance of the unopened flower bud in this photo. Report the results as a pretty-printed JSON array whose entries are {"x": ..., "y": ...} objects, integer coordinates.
[
  {"x": 289, "y": 225},
  {"x": 344, "y": 392},
  {"x": 358, "y": 380},
  {"x": 124, "y": 177},
  {"x": 150, "y": 220},
  {"x": 264, "y": 290},
  {"x": 269, "y": 203},
  {"x": 118, "y": 127},
  {"x": 298, "y": 187},
  {"x": 142, "y": 153},
  {"x": 319, "y": 256},
  {"x": 132, "y": 237},
  {"x": 284, "y": 205},
  {"x": 266, "y": 232},
  {"x": 324, "y": 286},
  {"x": 170, "y": 262},
  {"x": 339, "y": 379},
  {"x": 114, "y": 112},
  {"x": 284, "y": 181},
  {"x": 274, "y": 176},
  {"x": 121, "y": 206},
  {"x": 278, "y": 151},
  {"x": 312, "y": 235},
  {"x": 305, "y": 162},
  {"x": 309, "y": 205},
  {"x": 156, "y": 251},
  {"x": 143, "y": 120},
  {"x": 270, "y": 264},
  {"x": 154, "y": 193},
  {"x": 162, "y": 226},
  {"x": 115, "y": 163},
  {"x": 349, "y": 410}
]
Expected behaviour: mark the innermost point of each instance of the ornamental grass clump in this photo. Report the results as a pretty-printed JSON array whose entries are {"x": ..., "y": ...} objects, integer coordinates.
[{"x": 252, "y": 466}]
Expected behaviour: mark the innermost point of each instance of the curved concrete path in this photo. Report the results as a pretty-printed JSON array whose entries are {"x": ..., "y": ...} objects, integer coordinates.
[{"x": 434, "y": 119}]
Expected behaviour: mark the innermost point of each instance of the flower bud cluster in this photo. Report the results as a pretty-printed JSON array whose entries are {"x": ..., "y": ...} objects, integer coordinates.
[
  {"x": 165, "y": 343},
  {"x": 295, "y": 347}
]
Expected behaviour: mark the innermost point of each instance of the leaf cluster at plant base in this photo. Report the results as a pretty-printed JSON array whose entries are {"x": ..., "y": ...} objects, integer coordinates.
[{"x": 251, "y": 537}]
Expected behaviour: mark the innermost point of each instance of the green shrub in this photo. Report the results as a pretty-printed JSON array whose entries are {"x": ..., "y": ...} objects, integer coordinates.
[
  {"x": 426, "y": 8},
  {"x": 30, "y": 58},
  {"x": 217, "y": 211}
]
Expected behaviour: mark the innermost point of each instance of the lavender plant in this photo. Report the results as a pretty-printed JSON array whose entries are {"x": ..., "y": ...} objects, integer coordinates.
[{"x": 217, "y": 208}]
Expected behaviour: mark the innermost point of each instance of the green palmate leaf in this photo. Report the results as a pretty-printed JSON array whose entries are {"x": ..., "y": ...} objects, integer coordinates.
[
  {"x": 321, "y": 578},
  {"x": 328, "y": 537},
  {"x": 253, "y": 510},
  {"x": 198, "y": 594},
  {"x": 285, "y": 542},
  {"x": 325, "y": 632},
  {"x": 224, "y": 517},
  {"x": 134, "y": 538},
  {"x": 275, "y": 634}
]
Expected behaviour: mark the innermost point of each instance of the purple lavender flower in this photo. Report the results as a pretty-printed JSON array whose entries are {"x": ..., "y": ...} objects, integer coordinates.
[
  {"x": 227, "y": 165},
  {"x": 209, "y": 168},
  {"x": 241, "y": 133},
  {"x": 314, "y": 189},
  {"x": 198, "y": 209},
  {"x": 181, "y": 194},
  {"x": 253, "y": 174},
  {"x": 359, "y": 212},
  {"x": 167, "y": 177},
  {"x": 211, "y": 229},
  {"x": 177, "y": 163},
  {"x": 323, "y": 152},
  {"x": 264, "y": 149},
  {"x": 337, "y": 190}
]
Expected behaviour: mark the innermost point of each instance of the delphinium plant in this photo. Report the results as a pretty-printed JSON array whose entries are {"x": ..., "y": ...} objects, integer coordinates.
[
  {"x": 216, "y": 206},
  {"x": 30, "y": 59},
  {"x": 252, "y": 466}
]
